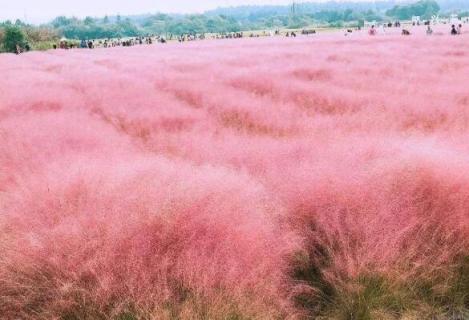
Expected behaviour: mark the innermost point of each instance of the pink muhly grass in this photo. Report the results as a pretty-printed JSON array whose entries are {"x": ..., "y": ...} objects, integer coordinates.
[
  {"x": 234, "y": 178},
  {"x": 142, "y": 235}
]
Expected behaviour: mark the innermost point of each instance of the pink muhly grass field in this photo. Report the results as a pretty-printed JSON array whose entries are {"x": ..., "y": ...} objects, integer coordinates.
[{"x": 245, "y": 179}]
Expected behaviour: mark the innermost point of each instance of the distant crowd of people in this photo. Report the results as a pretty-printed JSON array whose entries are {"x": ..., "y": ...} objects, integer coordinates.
[
  {"x": 151, "y": 39},
  {"x": 455, "y": 29},
  {"x": 109, "y": 43}
]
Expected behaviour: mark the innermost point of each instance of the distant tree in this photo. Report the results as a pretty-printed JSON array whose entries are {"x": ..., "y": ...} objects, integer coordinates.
[
  {"x": 423, "y": 8},
  {"x": 370, "y": 15},
  {"x": 13, "y": 37},
  {"x": 106, "y": 19},
  {"x": 19, "y": 23},
  {"x": 61, "y": 22},
  {"x": 297, "y": 21},
  {"x": 88, "y": 21},
  {"x": 348, "y": 15},
  {"x": 454, "y": 5},
  {"x": 39, "y": 34}
]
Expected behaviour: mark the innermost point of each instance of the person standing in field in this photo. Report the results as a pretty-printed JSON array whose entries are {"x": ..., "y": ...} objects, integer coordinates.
[
  {"x": 372, "y": 31},
  {"x": 460, "y": 29},
  {"x": 453, "y": 30},
  {"x": 429, "y": 30},
  {"x": 405, "y": 32}
]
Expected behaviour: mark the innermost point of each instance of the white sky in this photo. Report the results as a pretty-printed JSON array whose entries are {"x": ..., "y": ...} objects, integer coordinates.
[
  {"x": 35, "y": 11},
  {"x": 43, "y": 10}
]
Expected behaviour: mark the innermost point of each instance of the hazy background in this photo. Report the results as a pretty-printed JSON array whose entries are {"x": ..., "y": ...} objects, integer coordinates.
[{"x": 36, "y": 11}]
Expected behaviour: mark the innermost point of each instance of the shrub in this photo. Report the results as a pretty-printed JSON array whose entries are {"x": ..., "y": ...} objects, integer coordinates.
[{"x": 12, "y": 38}]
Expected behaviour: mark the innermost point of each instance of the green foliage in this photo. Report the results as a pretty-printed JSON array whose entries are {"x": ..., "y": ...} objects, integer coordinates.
[
  {"x": 194, "y": 24},
  {"x": 443, "y": 294},
  {"x": 13, "y": 36},
  {"x": 90, "y": 28},
  {"x": 423, "y": 8},
  {"x": 376, "y": 296},
  {"x": 359, "y": 299},
  {"x": 27, "y": 36},
  {"x": 297, "y": 22},
  {"x": 369, "y": 297},
  {"x": 458, "y": 293},
  {"x": 307, "y": 268}
]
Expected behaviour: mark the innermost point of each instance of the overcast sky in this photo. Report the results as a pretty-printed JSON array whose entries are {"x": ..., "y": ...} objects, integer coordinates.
[{"x": 35, "y": 11}]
